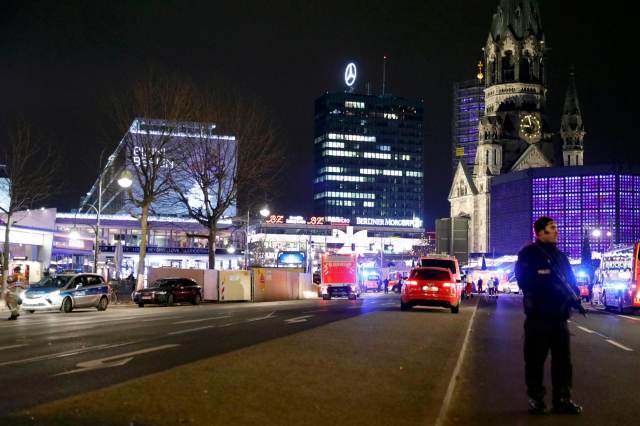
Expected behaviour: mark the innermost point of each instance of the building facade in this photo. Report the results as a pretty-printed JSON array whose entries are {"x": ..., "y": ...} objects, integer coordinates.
[
  {"x": 468, "y": 108},
  {"x": 311, "y": 237},
  {"x": 368, "y": 157},
  {"x": 514, "y": 134},
  {"x": 173, "y": 138},
  {"x": 579, "y": 199}
]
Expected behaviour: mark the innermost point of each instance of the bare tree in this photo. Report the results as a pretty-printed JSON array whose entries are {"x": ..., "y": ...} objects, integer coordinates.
[
  {"x": 29, "y": 171},
  {"x": 149, "y": 116},
  {"x": 243, "y": 158}
]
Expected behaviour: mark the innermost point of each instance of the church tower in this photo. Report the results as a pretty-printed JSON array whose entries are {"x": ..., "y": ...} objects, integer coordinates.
[
  {"x": 572, "y": 128},
  {"x": 514, "y": 133},
  {"x": 515, "y": 94}
]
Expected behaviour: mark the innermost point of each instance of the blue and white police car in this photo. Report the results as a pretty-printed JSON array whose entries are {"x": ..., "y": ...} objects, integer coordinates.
[{"x": 66, "y": 292}]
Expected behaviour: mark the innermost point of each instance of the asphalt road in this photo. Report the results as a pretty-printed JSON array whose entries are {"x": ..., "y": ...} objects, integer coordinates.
[{"x": 301, "y": 362}]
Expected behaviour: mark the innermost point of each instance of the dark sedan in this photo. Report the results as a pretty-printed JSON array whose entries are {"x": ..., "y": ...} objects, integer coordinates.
[{"x": 168, "y": 291}]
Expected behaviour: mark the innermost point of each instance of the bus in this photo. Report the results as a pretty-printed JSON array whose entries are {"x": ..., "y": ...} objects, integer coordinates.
[{"x": 620, "y": 276}]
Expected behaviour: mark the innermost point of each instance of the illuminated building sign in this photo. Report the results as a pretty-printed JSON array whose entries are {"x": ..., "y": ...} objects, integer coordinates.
[
  {"x": 403, "y": 223},
  {"x": 296, "y": 220},
  {"x": 299, "y": 220},
  {"x": 350, "y": 74}
]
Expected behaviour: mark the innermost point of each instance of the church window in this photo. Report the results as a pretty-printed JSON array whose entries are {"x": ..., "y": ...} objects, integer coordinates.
[
  {"x": 577, "y": 164},
  {"x": 508, "y": 67},
  {"x": 526, "y": 67},
  {"x": 486, "y": 157}
]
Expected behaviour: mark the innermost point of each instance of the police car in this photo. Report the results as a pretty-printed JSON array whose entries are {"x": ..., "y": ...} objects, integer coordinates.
[{"x": 66, "y": 292}]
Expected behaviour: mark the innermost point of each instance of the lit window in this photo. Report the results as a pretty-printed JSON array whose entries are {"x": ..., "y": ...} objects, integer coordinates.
[
  {"x": 390, "y": 116},
  {"x": 352, "y": 104},
  {"x": 334, "y": 153},
  {"x": 377, "y": 155},
  {"x": 350, "y": 137},
  {"x": 333, "y": 145},
  {"x": 369, "y": 204}
]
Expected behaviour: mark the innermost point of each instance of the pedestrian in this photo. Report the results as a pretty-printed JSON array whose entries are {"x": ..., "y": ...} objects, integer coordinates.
[
  {"x": 550, "y": 292},
  {"x": 496, "y": 282},
  {"x": 14, "y": 282},
  {"x": 385, "y": 283},
  {"x": 479, "y": 285}
]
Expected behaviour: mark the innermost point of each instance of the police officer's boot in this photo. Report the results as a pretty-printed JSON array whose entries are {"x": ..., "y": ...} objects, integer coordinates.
[
  {"x": 566, "y": 406},
  {"x": 537, "y": 406},
  {"x": 13, "y": 317}
]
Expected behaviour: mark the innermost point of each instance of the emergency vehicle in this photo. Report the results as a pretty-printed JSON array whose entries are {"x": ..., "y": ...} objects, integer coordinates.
[
  {"x": 620, "y": 273},
  {"x": 339, "y": 276}
]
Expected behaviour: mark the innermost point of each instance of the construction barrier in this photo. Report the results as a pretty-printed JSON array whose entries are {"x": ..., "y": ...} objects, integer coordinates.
[
  {"x": 272, "y": 284},
  {"x": 269, "y": 284},
  {"x": 234, "y": 286}
]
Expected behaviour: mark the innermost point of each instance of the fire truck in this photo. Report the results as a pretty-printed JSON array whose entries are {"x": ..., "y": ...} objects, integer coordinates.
[
  {"x": 339, "y": 276},
  {"x": 620, "y": 275}
]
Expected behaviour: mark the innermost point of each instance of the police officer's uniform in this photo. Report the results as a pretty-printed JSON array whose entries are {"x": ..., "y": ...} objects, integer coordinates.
[{"x": 547, "y": 310}]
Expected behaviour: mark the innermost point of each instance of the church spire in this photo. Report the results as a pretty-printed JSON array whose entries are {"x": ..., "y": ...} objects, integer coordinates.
[
  {"x": 572, "y": 127},
  {"x": 520, "y": 17}
]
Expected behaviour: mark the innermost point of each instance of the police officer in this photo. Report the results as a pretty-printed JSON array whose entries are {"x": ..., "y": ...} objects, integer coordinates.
[
  {"x": 544, "y": 274},
  {"x": 11, "y": 295}
]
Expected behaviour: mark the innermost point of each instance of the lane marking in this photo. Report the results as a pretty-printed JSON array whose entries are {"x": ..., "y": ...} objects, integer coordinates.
[
  {"x": 271, "y": 315},
  {"x": 190, "y": 330},
  {"x": 3, "y": 348},
  {"x": 62, "y": 354},
  {"x": 201, "y": 319},
  {"x": 117, "y": 360},
  {"x": 586, "y": 330},
  {"x": 621, "y": 346},
  {"x": 456, "y": 371},
  {"x": 298, "y": 319},
  {"x": 628, "y": 317}
]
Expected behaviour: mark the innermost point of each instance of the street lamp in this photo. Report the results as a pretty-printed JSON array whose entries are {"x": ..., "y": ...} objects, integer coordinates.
[
  {"x": 231, "y": 249},
  {"x": 124, "y": 181}
]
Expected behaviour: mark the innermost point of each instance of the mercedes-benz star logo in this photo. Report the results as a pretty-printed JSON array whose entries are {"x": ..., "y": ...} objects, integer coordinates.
[{"x": 350, "y": 74}]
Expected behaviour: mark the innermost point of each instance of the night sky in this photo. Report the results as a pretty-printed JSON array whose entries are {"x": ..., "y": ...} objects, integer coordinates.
[{"x": 61, "y": 62}]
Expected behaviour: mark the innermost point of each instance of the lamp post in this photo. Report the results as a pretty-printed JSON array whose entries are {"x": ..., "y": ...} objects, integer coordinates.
[
  {"x": 264, "y": 212},
  {"x": 124, "y": 181}
]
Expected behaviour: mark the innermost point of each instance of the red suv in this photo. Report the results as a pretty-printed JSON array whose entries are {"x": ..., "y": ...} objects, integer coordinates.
[{"x": 431, "y": 287}]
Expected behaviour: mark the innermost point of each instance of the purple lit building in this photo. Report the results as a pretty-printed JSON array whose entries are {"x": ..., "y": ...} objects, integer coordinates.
[
  {"x": 468, "y": 107},
  {"x": 580, "y": 199}
]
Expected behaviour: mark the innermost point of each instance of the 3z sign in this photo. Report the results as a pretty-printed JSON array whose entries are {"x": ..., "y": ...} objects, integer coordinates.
[
  {"x": 275, "y": 219},
  {"x": 316, "y": 221}
]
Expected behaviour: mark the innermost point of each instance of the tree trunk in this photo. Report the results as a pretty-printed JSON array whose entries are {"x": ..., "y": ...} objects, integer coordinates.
[
  {"x": 211, "y": 244},
  {"x": 144, "y": 227},
  {"x": 5, "y": 255}
]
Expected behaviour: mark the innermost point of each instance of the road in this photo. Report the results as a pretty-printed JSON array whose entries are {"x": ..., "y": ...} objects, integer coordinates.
[{"x": 301, "y": 362}]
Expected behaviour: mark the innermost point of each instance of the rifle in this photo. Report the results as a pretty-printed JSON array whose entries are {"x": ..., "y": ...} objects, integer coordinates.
[{"x": 571, "y": 298}]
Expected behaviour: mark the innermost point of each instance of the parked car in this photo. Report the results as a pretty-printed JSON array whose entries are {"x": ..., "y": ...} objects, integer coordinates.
[
  {"x": 431, "y": 287},
  {"x": 168, "y": 291},
  {"x": 66, "y": 292}
]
